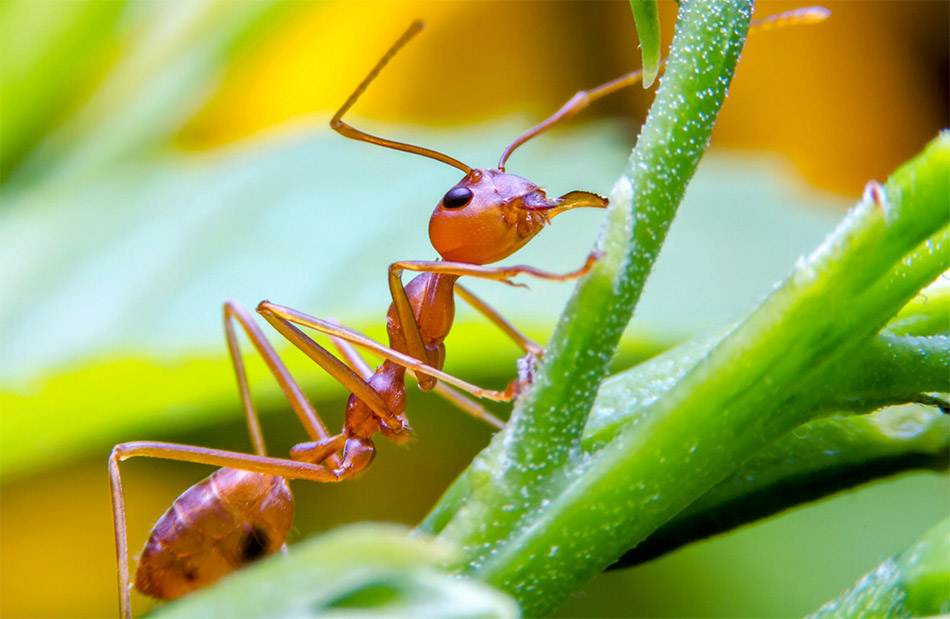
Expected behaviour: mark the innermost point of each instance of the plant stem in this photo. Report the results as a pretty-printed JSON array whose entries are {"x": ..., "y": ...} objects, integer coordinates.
[
  {"x": 810, "y": 462},
  {"x": 525, "y": 464},
  {"x": 735, "y": 401},
  {"x": 767, "y": 376}
]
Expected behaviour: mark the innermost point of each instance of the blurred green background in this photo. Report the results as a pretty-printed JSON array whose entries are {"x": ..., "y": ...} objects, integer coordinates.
[{"x": 158, "y": 158}]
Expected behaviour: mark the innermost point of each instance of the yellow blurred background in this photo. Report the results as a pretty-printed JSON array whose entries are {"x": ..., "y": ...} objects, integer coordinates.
[{"x": 844, "y": 101}]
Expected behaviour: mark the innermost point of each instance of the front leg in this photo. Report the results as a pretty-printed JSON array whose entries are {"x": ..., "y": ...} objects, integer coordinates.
[
  {"x": 278, "y": 314},
  {"x": 499, "y": 274},
  {"x": 410, "y": 326}
]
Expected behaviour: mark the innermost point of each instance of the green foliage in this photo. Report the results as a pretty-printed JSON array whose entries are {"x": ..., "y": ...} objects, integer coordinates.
[
  {"x": 759, "y": 418},
  {"x": 168, "y": 51},
  {"x": 61, "y": 41}
]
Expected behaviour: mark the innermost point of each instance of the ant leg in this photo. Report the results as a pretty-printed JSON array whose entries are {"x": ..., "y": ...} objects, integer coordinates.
[
  {"x": 575, "y": 104},
  {"x": 283, "y": 319},
  {"x": 473, "y": 408},
  {"x": 525, "y": 343},
  {"x": 349, "y": 354},
  {"x": 407, "y": 319},
  {"x": 278, "y": 317},
  {"x": 121, "y": 537},
  {"x": 499, "y": 274},
  {"x": 289, "y": 469},
  {"x": 201, "y": 455},
  {"x": 234, "y": 311},
  {"x": 503, "y": 274}
]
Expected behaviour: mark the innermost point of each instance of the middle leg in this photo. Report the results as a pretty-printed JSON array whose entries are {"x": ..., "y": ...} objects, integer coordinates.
[
  {"x": 467, "y": 405},
  {"x": 235, "y": 312},
  {"x": 284, "y": 318}
]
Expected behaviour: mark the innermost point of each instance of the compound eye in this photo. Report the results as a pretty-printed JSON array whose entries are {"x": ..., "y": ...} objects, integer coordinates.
[{"x": 457, "y": 197}]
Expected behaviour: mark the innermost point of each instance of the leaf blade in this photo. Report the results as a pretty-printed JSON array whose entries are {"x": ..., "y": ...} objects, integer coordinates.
[{"x": 647, "y": 18}]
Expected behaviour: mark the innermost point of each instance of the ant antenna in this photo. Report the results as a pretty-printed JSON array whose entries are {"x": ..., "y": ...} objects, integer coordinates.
[
  {"x": 347, "y": 131},
  {"x": 576, "y": 103},
  {"x": 806, "y": 15}
]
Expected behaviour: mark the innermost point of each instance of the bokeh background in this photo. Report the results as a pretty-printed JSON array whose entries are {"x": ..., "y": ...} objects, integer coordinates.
[{"x": 157, "y": 158}]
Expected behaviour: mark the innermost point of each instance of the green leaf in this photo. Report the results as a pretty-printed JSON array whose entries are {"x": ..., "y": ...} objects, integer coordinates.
[
  {"x": 916, "y": 583},
  {"x": 49, "y": 50},
  {"x": 168, "y": 53},
  {"x": 365, "y": 570},
  {"x": 648, "y": 30}
]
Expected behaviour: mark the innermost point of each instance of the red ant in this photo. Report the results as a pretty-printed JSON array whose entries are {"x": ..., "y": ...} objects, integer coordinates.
[{"x": 244, "y": 510}]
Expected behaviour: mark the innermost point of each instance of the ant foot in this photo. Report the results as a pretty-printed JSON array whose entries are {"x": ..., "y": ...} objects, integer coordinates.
[
  {"x": 511, "y": 282},
  {"x": 526, "y": 366},
  {"x": 593, "y": 258}
]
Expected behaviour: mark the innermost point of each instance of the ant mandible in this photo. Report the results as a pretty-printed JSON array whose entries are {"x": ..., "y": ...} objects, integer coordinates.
[{"x": 244, "y": 510}]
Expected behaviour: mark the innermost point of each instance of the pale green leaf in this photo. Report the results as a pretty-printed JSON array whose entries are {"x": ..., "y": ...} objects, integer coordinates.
[{"x": 366, "y": 570}]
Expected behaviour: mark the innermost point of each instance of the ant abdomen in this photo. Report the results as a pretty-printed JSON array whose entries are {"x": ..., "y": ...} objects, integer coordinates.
[{"x": 218, "y": 525}]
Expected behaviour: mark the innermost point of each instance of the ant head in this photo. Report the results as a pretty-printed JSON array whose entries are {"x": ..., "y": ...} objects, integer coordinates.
[
  {"x": 490, "y": 214},
  {"x": 482, "y": 219}
]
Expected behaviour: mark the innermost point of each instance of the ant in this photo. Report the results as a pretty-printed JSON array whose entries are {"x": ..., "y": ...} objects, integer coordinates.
[{"x": 244, "y": 510}]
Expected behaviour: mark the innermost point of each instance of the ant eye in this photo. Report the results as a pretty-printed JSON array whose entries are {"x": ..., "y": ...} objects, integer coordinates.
[{"x": 457, "y": 197}]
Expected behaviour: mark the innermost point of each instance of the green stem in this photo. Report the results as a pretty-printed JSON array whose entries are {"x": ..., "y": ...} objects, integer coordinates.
[
  {"x": 893, "y": 370},
  {"x": 730, "y": 404},
  {"x": 810, "y": 462},
  {"x": 927, "y": 314},
  {"x": 887, "y": 370},
  {"x": 527, "y": 462}
]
